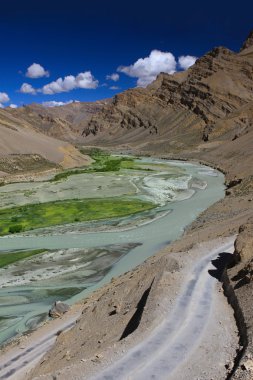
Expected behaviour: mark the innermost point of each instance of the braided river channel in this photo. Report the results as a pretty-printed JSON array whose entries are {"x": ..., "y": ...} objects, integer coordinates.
[{"x": 82, "y": 256}]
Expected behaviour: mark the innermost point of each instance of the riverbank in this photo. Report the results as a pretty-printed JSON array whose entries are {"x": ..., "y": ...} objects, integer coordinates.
[
  {"x": 80, "y": 256},
  {"x": 220, "y": 220},
  {"x": 103, "y": 333}
]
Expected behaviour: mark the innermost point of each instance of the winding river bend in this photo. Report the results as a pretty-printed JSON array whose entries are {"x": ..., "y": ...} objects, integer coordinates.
[{"x": 83, "y": 256}]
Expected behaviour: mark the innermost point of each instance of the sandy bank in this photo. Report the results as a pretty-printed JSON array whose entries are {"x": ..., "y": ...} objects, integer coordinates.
[{"x": 95, "y": 341}]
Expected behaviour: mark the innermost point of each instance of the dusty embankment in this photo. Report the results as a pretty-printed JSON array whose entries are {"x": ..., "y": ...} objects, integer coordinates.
[
  {"x": 178, "y": 288},
  {"x": 127, "y": 310},
  {"x": 239, "y": 285},
  {"x": 97, "y": 335}
]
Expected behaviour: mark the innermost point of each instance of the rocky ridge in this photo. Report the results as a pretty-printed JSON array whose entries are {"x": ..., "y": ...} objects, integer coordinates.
[
  {"x": 24, "y": 148},
  {"x": 205, "y": 113},
  {"x": 240, "y": 278},
  {"x": 211, "y": 100},
  {"x": 64, "y": 122},
  {"x": 45, "y": 132}
]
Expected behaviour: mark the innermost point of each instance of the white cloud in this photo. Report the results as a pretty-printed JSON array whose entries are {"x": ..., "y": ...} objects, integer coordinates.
[
  {"x": 70, "y": 82},
  {"x": 4, "y": 98},
  {"x": 147, "y": 69},
  {"x": 13, "y": 106},
  {"x": 185, "y": 61},
  {"x": 114, "y": 88},
  {"x": 36, "y": 71},
  {"x": 26, "y": 88},
  {"x": 114, "y": 77},
  {"x": 53, "y": 103},
  {"x": 1, "y": 105}
]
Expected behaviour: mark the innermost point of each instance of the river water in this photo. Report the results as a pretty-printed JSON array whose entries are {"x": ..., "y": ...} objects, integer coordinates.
[{"x": 84, "y": 256}]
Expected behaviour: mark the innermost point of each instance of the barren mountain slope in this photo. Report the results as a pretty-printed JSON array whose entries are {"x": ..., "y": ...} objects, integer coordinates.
[
  {"x": 65, "y": 122},
  {"x": 22, "y": 148},
  {"x": 205, "y": 113},
  {"x": 177, "y": 111}
]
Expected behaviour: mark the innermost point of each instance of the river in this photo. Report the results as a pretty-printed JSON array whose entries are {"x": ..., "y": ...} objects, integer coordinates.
[{"x": 84, "y": 256}]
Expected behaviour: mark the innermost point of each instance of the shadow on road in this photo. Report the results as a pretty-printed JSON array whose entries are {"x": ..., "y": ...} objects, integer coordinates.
[{"x": 223, "y": 260}]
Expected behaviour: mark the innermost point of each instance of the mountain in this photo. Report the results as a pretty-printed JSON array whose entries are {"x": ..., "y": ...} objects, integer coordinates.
[
  {"x": 205, "y": 113},
  {"x": 65, "y": 122},
  {"x": 23, "y": 148},
  {"x": 212, "y": 99}
]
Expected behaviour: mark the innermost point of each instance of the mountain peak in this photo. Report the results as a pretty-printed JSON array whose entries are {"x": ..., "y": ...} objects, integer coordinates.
[{"x": 248, "y": 42}]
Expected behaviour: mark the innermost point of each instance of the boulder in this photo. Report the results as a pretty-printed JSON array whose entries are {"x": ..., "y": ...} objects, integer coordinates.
[
  {"x": 58, "y": 309},
  {"x": 244, "y": 242}
]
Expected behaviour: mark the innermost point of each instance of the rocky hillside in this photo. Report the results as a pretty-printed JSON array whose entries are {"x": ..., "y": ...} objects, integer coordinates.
[
  {"x": 65, "y": 122},
  {"x": 240, "y": 276},
  {"x": 32, "y": 137},
  {"x": 205, "y": 113},
  {"x": 212, "y": 100},
  {"x": 23, "y": 148}
]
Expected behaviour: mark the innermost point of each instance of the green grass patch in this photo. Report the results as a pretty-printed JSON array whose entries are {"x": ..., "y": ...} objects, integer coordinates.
[
  {"x": 12, "y": 257},
  {"x": 32, "y": 216},
  {"x": 132, "y": 165},
  {"x": 103, "y": 162}
]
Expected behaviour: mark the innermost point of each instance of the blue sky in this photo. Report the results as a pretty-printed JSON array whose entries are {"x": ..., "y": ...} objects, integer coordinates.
[{"x": 83, "y": 43}]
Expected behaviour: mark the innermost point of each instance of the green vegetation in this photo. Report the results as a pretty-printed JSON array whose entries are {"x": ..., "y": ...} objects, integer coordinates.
[
  {"x": 12, "y": 257},
  {"x": 66, "y": 174},
  {"x": 15, "y": 228},
  {"x": 103, "y": 162},
  {"x": 31, "y": 216}
]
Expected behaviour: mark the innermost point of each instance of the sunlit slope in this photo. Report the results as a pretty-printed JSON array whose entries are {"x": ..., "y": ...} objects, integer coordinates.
[{"x": 19, "y": 137}]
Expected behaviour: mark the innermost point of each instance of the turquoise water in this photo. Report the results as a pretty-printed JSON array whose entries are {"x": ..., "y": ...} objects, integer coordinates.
[{"x": 85, "y": 256}]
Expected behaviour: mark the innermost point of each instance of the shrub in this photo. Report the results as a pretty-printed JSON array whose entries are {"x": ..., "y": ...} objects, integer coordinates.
[{"x": 15, "y": 228}]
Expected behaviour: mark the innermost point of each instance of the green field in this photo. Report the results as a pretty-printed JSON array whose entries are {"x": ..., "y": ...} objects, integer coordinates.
[
  {"x": 32, "y": 216},
  {"x": 12, "y": 257},
  {"x": 103, "y": 162}
]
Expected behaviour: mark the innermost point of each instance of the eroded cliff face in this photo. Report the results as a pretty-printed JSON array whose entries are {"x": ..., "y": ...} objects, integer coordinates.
[
  {"x": 211, "y": 99},
  {"x": 23, "y": 148},
  {"x": 64, "y": 123},
  {"x": 240, "y": 276}
]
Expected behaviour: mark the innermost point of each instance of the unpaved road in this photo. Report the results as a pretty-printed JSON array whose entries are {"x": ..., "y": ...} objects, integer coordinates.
[
  {"x": 173, "y": 341},
  {"x": 17, "y": 361},
  {"x": 161, "y": 354}
]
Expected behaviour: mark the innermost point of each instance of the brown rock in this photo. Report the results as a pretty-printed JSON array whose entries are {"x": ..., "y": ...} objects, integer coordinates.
[
  {"x": 58, "y": 309},
  {"x": 244, "y": 242}
]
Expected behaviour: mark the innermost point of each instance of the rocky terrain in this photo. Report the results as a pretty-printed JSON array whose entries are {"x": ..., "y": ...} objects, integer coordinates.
[
  {"x": 210, "y": 101},
  {"x": 240, "y": 275},
  {"x": 64, "y": 122},
  {"x": 204, "y": 114},
  {"x": 26, "y": 145}
]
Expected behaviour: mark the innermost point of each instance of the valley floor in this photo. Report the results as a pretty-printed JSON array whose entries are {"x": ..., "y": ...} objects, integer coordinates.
[{"x": 125, "y": 313}]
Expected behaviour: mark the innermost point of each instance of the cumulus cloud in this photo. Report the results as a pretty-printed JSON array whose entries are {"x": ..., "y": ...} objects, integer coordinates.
[
  {"x": 36, "y": 71},
  {"x": 13, "y": 106},
  {"x": 185, "y": 61},
  {"x": 114, "y": 77},
  {"x": 70, "y": 82},
  {"x": 26, "y": 88},
  {"x": 4, "y": 98},
  {"x": 147, "y": 69},
  {"x": 54, "y": 103}
]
